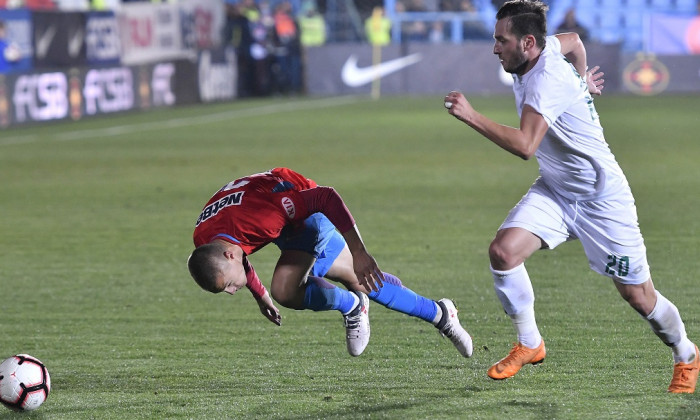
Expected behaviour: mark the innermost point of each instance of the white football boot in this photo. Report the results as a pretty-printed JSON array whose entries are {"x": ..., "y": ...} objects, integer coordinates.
[
  {"x": 450, "y": 327},
  {"x": 357, "y": 326}
]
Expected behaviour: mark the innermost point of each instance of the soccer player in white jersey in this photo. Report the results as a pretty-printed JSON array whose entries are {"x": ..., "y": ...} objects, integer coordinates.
[{"x": 581, "y": 192}]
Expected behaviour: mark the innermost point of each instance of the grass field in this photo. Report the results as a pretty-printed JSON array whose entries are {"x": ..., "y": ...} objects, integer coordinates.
[{"x": 96, "y": 223}]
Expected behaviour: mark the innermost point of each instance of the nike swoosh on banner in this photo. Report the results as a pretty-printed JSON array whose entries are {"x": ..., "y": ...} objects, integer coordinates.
[
  {"x": 75, "y": 43},
  {"x": 44, "y": 41},
  {"x": 354, "y": 76}
]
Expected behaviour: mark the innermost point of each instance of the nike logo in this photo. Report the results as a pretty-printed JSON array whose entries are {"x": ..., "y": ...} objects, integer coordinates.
[
  {"x": 75, "y": 43},
  {"x": 44, "y": 41},
  {"x": 354, "y": 76}
]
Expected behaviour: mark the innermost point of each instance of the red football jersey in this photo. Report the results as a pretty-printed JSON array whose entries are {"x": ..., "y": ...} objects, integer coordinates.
[{"x": 251, "y": 211}]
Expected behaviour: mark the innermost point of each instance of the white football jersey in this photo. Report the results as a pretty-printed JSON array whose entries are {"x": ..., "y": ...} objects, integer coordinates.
[{"x": 574, "y": 158}]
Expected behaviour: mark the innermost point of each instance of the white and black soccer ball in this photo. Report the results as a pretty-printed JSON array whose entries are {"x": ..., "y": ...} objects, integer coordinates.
[{"x": 24, "y": 382}]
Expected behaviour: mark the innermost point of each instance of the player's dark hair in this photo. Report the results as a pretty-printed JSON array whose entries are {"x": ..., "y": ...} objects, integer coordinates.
[
  {"x": 205, "y": 265},
  {"x": 526, "y": 18}
]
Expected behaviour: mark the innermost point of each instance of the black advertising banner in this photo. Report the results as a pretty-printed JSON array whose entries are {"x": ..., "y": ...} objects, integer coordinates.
[
  {"x": 217, "y": 75},
  {"x": 83, "y": 92},
  {"x": 165, "y": 84},
  {"x": 184, "y": 82},
  {"x": 59, "y": 39}
]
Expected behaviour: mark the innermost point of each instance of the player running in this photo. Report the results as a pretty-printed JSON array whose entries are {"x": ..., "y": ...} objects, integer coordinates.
[
  {"x": 317, "y": 237},
  {"x": 581, "y": 192}
]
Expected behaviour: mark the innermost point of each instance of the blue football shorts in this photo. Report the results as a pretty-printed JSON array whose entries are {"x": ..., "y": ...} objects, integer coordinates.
[
  {"x": 318, "y": 237},
  {"x": 608, "y": 230}
]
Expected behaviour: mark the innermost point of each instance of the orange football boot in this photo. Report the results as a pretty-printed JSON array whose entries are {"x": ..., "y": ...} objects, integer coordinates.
[
  {"x": 518, "y": 357},
  {"x": 685, "y": 376}
]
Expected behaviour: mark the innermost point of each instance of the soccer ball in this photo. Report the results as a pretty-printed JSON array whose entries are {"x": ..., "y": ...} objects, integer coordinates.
[{"x": 24, "y": 382}]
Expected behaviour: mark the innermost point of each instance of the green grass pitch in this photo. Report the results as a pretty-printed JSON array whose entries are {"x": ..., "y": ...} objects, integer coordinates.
[{"x": 96, "y": 220}]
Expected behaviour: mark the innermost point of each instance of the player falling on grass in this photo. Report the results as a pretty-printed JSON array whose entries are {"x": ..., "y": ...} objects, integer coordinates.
[
  {"x": 581, "y": 192},
  {"x": 301, "y": 218}
]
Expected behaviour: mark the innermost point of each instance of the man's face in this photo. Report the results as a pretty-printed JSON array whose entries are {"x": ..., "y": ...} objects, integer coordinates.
[
  {"x": 232, "y": 276},
  {"x": 509, "y": 49}
]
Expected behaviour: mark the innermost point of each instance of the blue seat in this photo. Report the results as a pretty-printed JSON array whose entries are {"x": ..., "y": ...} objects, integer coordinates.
[
  {"x": 609, "y": 25},
  {"x": 687, "y": 6},
  {"x": 636, "y": 4},
  {"x": 662, "y": 5}
]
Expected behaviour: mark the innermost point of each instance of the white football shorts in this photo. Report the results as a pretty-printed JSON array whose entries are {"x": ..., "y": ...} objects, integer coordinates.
[{"x": 608, "y": 230}]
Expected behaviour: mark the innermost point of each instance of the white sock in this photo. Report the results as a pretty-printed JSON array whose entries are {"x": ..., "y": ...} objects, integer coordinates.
[
  {"x": 514, "y": 290},
  {"x": 438, "y": 314},
  {"x": 526, "y": 328},
  {"x": 666, "y": 322}
]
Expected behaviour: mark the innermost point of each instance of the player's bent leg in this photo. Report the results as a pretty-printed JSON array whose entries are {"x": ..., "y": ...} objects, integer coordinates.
[
  {"x": 665, "y": 321},
  {"x": 357, "y": 330},
  {"x": 450, "y": 327},
  {"x": 395, "y": 296},
  {"x": 292, "y": 287},
  {"x": 514, "y": 290},
  {"x": 512, "y": 246},
  {"x": 641, "y": 297},
  {"x": 443, "y": 314},
  {"x": 288, "y": 280},
  {"x": 322, "y": 296}
]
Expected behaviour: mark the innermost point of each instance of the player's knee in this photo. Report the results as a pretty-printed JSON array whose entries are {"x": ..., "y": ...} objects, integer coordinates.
[
  {"x": 501, "y": 256},
  {"x": 282, "y": 296}
]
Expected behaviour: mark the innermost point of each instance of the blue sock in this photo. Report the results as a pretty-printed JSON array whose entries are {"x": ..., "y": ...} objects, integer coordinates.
[
  {"x": 395, "y": 296},
  {"x": 321, "y": 295}
]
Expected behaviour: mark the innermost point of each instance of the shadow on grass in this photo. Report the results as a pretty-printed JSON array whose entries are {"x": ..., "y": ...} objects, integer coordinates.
[{"x": 688, "y": 407}]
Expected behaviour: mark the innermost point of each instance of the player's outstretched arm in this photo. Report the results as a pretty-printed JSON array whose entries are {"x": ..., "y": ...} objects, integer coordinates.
[{"x": 522, "y": 141}]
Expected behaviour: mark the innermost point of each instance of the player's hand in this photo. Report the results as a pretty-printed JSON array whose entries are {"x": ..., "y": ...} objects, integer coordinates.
[
  {"x": 367, "y": 271},
  {"x": 595, "y": 81},
  {"x": 269, "y": 310},
  {"x": 458, "y": 106}
]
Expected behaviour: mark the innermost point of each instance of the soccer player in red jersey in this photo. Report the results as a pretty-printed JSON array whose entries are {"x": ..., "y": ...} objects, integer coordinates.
[{"x": 318, "y": 238}]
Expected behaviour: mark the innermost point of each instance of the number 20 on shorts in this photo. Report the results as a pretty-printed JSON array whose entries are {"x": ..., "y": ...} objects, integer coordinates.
[{"x": 621, "y": 264}]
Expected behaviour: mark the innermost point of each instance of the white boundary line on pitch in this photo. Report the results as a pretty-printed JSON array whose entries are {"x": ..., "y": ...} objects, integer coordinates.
[{"x": 186, "y": 121}]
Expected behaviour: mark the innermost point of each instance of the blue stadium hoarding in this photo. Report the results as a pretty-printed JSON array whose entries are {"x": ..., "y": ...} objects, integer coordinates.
[
  {"x": 18, "y": 28},
  {"x": 103, "y": 46}
]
